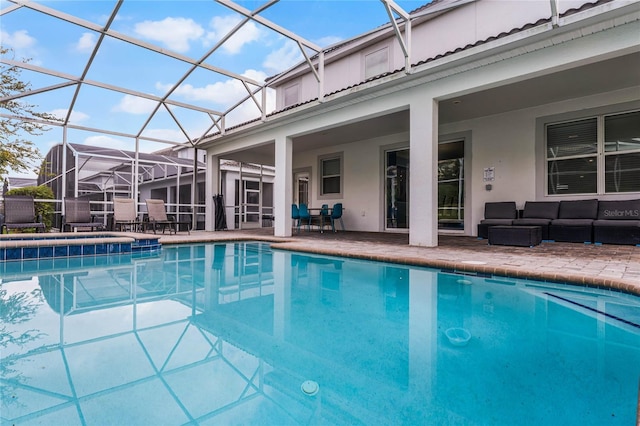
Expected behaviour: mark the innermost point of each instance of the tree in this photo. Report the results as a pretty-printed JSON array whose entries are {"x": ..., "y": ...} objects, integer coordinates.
[{"x": 16, "y": 153}]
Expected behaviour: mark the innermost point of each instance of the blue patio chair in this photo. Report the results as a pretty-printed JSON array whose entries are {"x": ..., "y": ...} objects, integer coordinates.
[
  {"x": 295, "y": 215},
  {"x": 324, "y": 213},
  {"x": 336, "y": 213},
  {"x": 305, "y": 216}
]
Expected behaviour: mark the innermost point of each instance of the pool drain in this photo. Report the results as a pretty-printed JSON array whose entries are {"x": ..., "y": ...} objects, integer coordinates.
[{"x": 309, "y": 387}]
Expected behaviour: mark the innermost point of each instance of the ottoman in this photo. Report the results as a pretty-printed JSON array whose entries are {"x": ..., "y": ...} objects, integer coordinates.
[{"x": 524, "y": 236}]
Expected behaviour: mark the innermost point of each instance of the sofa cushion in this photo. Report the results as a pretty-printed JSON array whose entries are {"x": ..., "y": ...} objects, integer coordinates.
[
  {"x": 496, "y": 221},
  {"x": 616, "y": 223},
  {"x": 531, "y": 222},
  {"x": 578, "y": 209},
  {"x": 500, "y": 210},
  {"x": 619, "y": 210},
  {"x": 572, "y": 222},
  {"x": 541, "y": 209}
]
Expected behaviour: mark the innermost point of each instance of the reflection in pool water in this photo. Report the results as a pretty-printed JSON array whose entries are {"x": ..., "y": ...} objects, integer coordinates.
[{"x": 237, "y": 333}]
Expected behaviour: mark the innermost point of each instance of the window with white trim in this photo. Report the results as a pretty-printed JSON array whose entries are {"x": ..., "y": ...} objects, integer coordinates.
[
  {"x": 595, "y": 155},
  {"x": 330, "y": 169},
  {"x": 376, "y": 63}
]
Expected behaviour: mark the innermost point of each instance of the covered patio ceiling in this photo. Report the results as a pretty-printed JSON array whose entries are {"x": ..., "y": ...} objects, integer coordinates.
[{"x": 572, "y": 83}]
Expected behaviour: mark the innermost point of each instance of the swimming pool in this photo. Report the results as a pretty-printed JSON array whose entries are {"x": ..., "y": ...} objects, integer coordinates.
[{"x": 240, "y": 334}]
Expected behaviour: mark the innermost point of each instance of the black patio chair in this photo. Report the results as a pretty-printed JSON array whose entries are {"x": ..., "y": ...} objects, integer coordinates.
[
  {"x": 77, "y": 214},
  {"x": 20, "y": 213}
]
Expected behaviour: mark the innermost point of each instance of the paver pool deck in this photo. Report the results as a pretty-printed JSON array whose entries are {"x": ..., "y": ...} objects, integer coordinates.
[{"x": 604, "y": 266}]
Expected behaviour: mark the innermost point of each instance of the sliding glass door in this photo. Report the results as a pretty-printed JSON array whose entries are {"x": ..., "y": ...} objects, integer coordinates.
[
  {"x": 397, "y": 189},
  {"x": 451, "y": 185}
]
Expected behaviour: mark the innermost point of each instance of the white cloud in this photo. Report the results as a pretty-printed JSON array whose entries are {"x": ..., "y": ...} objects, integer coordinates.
[
  {"x": 175, "y": 33},
  {"x": 259, "y": 76},
  {"x": 285, "y": 57},
  {"x": 107, "y": 141},
  {"x": 222, "y": 25},
  {"x": 248, "y": 110},
  {"x": 328, "y": 41},
  {"x": 86, "y": 43},
  {"x": 220, "y": 93},
  {"x": 18, "y": 40},
  {"x": 135, "y": 105},
  {"x": 23, "y": 45},
  {"x": 225, "y": 94},
  {"x": 76, "y": 116},
  {"x": 165, "y": 134},
  {"x": 123, "y": 144}
]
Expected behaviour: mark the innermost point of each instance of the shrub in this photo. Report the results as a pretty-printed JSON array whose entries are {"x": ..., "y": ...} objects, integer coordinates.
[{"x": 42, "y": 208}]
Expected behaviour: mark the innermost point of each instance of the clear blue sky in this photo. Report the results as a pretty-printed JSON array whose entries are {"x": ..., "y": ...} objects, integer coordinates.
[{"x": 188, "y": 28}]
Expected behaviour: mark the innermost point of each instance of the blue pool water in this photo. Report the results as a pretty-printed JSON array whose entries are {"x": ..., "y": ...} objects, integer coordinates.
[{"x": 240, "y": 334}]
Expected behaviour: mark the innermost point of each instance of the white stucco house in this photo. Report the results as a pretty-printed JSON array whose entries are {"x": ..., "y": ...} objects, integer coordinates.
[{"x": 414, "y": 126}]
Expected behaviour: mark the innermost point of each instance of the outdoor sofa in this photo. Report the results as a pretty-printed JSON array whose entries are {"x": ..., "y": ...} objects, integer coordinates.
[
  {"x": 501, "y": 213},
  {"x": 618, "y": 222},
  {"x": 539, "y": 213},
  {"x": 576, "y": 221}
]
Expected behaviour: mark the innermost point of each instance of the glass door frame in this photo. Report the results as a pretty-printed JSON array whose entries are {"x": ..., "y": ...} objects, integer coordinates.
[{"x": 385, "y": 195}]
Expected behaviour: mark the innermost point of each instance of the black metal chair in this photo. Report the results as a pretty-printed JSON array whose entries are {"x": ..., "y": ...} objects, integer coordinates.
[
  {"x": 77, "y": 214},
  {"x": 20, "y": 213}
]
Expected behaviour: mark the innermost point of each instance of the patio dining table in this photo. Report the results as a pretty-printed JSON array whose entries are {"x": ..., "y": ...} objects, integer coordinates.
[{"x": 318, "y": 219}]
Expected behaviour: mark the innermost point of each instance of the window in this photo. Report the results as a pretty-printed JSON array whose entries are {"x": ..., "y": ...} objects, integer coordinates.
[
  {"x": 291, "y": 95},
  {"x": 376, "y": 63},
  {"x": 596, "y": 155},
  {"x": 331, "y": 175}
]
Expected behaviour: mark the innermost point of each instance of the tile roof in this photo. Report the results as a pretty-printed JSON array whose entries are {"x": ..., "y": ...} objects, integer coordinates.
[{"x": 525, "y": 27}]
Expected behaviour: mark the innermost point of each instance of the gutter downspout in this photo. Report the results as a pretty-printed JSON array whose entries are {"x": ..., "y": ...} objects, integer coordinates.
[{"x": 554, "y": 14}]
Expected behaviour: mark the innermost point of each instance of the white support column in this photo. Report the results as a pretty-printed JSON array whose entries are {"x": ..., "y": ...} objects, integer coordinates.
[
  {"x": 63, "y": 193},
  {"x": 423, "y": 172},
  {"x": 212, "y": 187},
  {"x": 134, "y": 176},
  {"x": 423, "y": 331},
  {"x": 282, "y": 186},
  {"x": 281, "y": 293},
  {"x": 194, "y": 191}
]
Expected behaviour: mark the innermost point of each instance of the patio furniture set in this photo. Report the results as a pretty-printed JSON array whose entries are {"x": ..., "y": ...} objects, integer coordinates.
[
  {"x": 320, "y": 217},
  {"x": 20, "y": 214},
  {"x": 577, "y": 221},
  {"x": 126, "y": 217}
]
